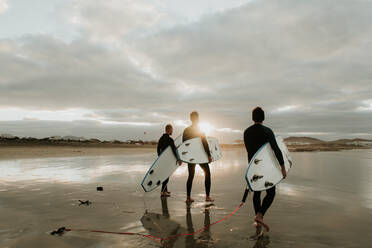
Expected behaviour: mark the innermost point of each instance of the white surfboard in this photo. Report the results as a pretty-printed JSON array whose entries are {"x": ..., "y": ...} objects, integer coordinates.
[
  {"x": 264, "y": 171},
  {"x": 192, "y": 151},
  {"x": 162, "y": 168}
]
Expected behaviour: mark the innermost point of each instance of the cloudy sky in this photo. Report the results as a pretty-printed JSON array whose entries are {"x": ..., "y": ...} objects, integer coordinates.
[{"x": 113, "y": 69}]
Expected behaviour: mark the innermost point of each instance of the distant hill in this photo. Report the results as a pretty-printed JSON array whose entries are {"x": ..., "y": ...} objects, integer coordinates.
[
  {"x": 8, "y": 139},
  {"x": 305, "y": 144},
  {"x": 302, "y": 140},
  {"x": 351, "y": 140},
  {"x": 295, "y": 144}
]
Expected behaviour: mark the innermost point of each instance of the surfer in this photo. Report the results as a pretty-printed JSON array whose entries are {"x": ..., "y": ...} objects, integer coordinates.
[
  {"x": 191, "y": 132},
  {"x": 255, "y": 137},
  {"x": 163, "y": 143}
]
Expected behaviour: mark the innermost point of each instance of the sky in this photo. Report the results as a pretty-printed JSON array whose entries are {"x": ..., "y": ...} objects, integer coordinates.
[{"x": 116, "y": 69}]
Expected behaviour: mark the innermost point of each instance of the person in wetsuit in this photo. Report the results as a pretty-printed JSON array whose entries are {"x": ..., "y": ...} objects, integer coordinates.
[
  {"x": 163, "y": 143},
  {"x": 191, "y": 132},
  {"x": 255, "y": 137}
]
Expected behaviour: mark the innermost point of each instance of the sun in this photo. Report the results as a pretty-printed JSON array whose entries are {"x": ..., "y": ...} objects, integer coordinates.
[{"x": 206, "y": 128}]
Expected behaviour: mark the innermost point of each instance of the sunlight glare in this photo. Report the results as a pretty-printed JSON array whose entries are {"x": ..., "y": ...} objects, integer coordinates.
[{"x": 205, "y": 127}]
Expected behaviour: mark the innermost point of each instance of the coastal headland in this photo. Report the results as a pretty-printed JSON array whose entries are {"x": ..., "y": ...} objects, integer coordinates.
[{"x": 12, "y": 147}]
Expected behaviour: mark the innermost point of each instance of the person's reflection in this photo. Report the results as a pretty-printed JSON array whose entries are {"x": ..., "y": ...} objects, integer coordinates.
[
  {"x": 204, "y": 239},
  {"x": 160, "y": 225},
  {"x": 164, "y": 207},
  {"x": 190, "y": 240},
  {"x": 262, "y": 242}
]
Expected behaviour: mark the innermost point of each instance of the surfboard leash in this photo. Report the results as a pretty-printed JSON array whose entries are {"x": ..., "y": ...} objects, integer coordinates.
[{"x": 60, "y": 231}]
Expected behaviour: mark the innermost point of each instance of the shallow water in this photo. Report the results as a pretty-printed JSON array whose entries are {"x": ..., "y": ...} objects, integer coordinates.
[{"x": 326, "y": 201}]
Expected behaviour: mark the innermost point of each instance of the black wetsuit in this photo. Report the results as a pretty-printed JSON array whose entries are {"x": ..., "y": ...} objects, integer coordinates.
[
  {"x": 163, "y": 143},
  {"x": 254, "y": 138},
  {"x": 190, "y": 133}
]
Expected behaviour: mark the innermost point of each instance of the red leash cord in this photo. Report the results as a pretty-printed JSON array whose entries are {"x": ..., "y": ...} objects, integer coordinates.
[{"x": 155, "y": 237}]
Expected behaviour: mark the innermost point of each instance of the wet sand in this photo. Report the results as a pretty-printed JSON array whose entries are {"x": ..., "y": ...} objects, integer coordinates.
[{"x": 326, "y": 201}]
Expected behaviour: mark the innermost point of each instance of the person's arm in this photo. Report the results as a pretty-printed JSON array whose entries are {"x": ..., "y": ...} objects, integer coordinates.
[
  {"x": 205, "y": 145},
  {"x": 246, "y": 142},
  {"x": 184, "y": 135},
  {"x": 277, "y": 152},
  {"x": 158, "y": 148},
  {"x": 174, "y": 149},
  {"x": 275, "y": 147}
]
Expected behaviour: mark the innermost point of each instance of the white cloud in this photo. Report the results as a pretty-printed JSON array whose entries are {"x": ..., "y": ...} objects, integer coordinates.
[
  {"x": 313, "y": 54},
  {"x": 14, "y": 114},
  {"x": 111, "y": 20},
  {"x": 3, "y": 6},
  {"x": 286, "y": 108},
  {"x": 366, "y": 105}
]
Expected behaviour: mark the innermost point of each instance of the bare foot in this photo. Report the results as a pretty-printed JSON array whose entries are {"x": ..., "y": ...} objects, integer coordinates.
[
  {"x": 259, "y": 220},
  {"x": 208, "y": 199},
  {"x": 165, "y": 194},
  {"x": 189, "y": 200},
  {"x": 259, "y": 232},
  {"x": 258, "y": 228}
]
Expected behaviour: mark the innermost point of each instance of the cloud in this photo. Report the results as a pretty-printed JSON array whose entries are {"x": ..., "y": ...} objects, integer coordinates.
[
  {"x": 111, "y": 20},
  {"x": 307, "y": 63},
  {"x": 47, "y": 73},
  {"x": 270, "y": 53},
  {"x": 3, "y": 6}
]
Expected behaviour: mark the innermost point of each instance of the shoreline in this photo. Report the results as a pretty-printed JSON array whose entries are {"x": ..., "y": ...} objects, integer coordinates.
[
  {"x": 32, "y": 152},
  {"x": 11, "y": 152}
]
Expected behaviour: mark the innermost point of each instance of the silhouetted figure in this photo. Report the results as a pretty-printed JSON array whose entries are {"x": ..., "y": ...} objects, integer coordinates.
[
  {"x": 163, "y": 143},
  {"x": 255, "y": 137},
  {"x": 191, "y": 132}
]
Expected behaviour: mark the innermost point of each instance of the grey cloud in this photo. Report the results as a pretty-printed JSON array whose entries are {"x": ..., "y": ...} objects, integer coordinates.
[
  {"x": 273, "y": 53},
  {"x": 314, "y": 55},
  {"x": 110, "y": 20},
  {"x": 43, "y": 72},
  {"x": 3, "y": 6}
]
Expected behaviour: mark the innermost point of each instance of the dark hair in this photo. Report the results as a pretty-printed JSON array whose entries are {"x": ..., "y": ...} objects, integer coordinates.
[
  {"x": 168, "y": 127},
  {"x": 194, "y": 114},
  {"x": 258, "y": 115}
]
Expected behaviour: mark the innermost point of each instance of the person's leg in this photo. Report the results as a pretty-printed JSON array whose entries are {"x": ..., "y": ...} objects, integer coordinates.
[
  {"x": 164, "y": 188},
  {"x": 164, "y": 207},
  {"x": 266, "y": 203},
  {"x": 207, "y": 181},
  {"x": 257, "y": 210},
  {"x": 191, "y": 168},
  {"x": 257, "y": 201},
  {"x": 268, "y": 200}
]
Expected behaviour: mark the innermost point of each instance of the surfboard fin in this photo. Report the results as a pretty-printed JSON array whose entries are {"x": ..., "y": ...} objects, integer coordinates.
[
  {"x": 268, "y": 184},
  {"x": 256, "y": 161},
  {"x": 255, "y": 178}
]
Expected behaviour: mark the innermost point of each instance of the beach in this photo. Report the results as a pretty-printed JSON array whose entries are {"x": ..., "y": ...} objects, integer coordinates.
[
  {"x": 34, "y": 152},
  {"x": 326, "y": 201}
]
